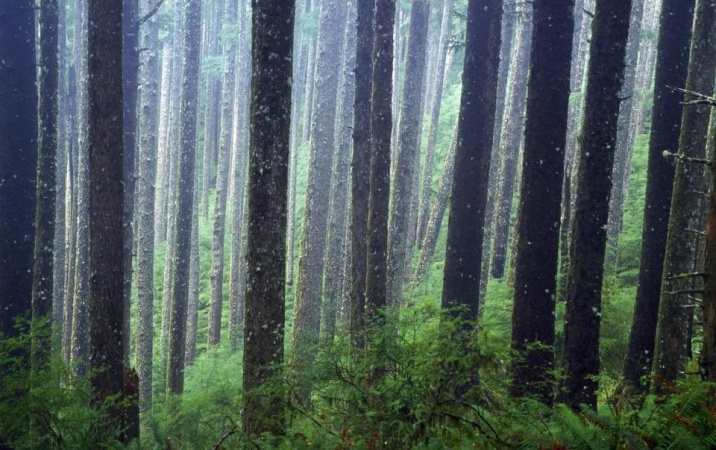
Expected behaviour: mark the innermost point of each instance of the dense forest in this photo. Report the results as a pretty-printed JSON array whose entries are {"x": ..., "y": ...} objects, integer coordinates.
[{"x": 366, "y": 224}]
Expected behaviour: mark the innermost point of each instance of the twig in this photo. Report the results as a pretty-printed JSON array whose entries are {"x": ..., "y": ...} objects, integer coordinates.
[
  {"x": 685, "y": 291},
  {"x": 687, "y": 274},
  {"x": 668, "y": 154},
  {"x": 151, "y": 12},
  {"x": 701, "y": 99},
  {"x": 228, "y": 433}
]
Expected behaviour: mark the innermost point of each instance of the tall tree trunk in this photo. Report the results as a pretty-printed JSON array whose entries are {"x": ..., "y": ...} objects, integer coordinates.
[
  {"x": 307, "y": 304},
  {"x": 437, "y": 213},
  {"x": 360, "y": 164},
  {"x": 335, "y": 257},
  {"x": 106, "y": 231},
  {"x": 540, "y": 200},
  {"x": 80, "y": 352},
  {"x": 461, "y": 277},
  {"x": 130, "y": 94},
  {"x": 671, "y": 70},
  {"x": 625, "y": 135},
  {"x": 145, "y": 202},
  {"x": 589, "y": 235},
  {"x": 376, "y": 283},
  {"x": 708, "y": 349},
  {"x": 688, "y": 206},
  {"x": 408, "y": 151},
  {"x": 185, "y": 201},
  {"x": 237, "y": 278},
  {"x": 222, "y": 181},
  {"x": 42, "y": 287},
  {"x": 511, "y": 143},
  {"x": 435, "y": 104},
  {"x": 272, "y": 38}
]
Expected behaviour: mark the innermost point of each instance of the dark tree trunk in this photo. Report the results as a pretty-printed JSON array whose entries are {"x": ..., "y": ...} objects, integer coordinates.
[
  {"x": 671, "y": 70},
  {"x": 185, "y": 201},
  {"x": 360, "y": 173},
  {"x": 376, "y": 283},
  {"x": 18, "y": 160},
  {"x": 463, "y": 254},
  {"x": 540, "y": 200},
  {"x": 589, "y": 235},
  {"x": 145, "y": 202},
  {"x": 272, "y": 39},
  {"x": 42, "y": 285},
  {"x": 408, "y": 151},
  {"x": 106, "y": 201},
  {"x": 307, "y": 303},
  {"x": 708, "y": 350},
  {"x": 688, "y": 205}
]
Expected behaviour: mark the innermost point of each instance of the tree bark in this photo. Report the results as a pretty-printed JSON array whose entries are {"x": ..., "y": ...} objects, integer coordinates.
[
  {"x": 540, "y": 200},
  {"x": 376, "y": 283},
  {"x": 408, "y": 152},
  {"x": 106, "y": 230},
  {"x": 42, "y": 283},
  {"x": 307, "y": 303},
  {"x": 582, "y": 321},
  {"x": 688, "y": 206},
  {"x": 272, "y": 55},
  {"x": 463, "y": 254},
  {"x": 145, "y": 202},
  {"x": 671, "y": 70},
  {"x": 185, "y": 201},
  {"x": 360, "y": 162}
]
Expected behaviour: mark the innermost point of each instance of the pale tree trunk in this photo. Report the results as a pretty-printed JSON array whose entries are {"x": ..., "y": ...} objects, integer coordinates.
[
  {"x": 222, "y": 182},
  {"x": 80, "y": 309},
  {"x": 145, "y": 202},
  {"x": 408, "y": 152},
  {"x": 307, "y": 303},
  {"x": 510, "y": 144},
  {"x": 688, "y": 207},
  {"x": 185, "y": 201},
  {"x": 335, "y": 250},
  {"x": 237, "y": 270},
  {"x": 437, "y": 214},
  {"x": 434, "y": 105},
  {"x": 671, "y": 70}
]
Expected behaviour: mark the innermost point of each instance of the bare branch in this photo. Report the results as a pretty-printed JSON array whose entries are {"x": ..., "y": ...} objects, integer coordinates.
[
  {"x": 686, "y": 275},
  {"x": 699, "y": 98},
  {"x": 668, "y": 154},
  {"x": 151, "y": 12}
]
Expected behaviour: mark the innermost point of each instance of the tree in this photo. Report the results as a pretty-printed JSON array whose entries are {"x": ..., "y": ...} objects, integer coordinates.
[
  {"x": 272, "y": 52},
  {"x": 42, "y": 285},
  {"x": 589, "y": 235},
  {"x": 688, "y": 207},
  {"x": 145, "y": 202},
  {"x": 18, "y": 160},
  {"x": 360, "y": 162},
  {"x": 376, "y": 283},
  {"x": 408, "y": 151},
  {"x": 540, "y": 198},
  {"x": 185, "y": 202},
  {"x": 222, "y": 179},
  {"x": 307, "y": 304},
  {"x": 106, "y": 201},
  {"x": 671, "y": 70},
  {"x": 463, "y": 255}
]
